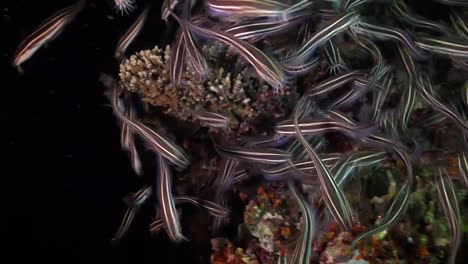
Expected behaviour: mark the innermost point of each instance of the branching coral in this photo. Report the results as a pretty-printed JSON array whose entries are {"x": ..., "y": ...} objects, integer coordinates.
[{"x": 240, "y": 98}]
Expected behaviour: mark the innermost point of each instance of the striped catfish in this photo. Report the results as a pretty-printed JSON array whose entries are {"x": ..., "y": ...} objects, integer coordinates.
[
  {"x": 302, "y": 166},
  {"x": 454, "y": 2},
  {"x": 453, "y": 47},
  {"x": 303, "y": 248},
  {"x": 124, "y": 6},
  {"x": 408, "y": 98},
  {"x": 258, "y": 29},
  {"x": 342, "y": 169},
  {"x": 316, "y": 127},
  {"x": 212, "y": 119},
  {"x": 334, "y": 197},
  {"x": 460, "y": 27},
  {"x": 166, "y": 201},
  {"x": 177, "y": 61},
  {"x": 256, "y": 155},
  {"x": 127, "y": 139},
  {"x": 167, "y": 7},
  {"x": 156, "y": 141},
  {"x": 373, "y": 140},
  {"x": 273, "y": 141},
  {"x": 399, "y": 205},
  {"x": 333, "y": 83},
  {"x": 449, "y": 203},
  {"x": 379, "y": 96},
  {"x": 134, "y": 202},
  {"x": 332, "y": 56},
  {"x": 354, "y": 4},
  {"x": 226, "y": 172},
  {"x": 193, "y": 50},
  {"x": 47, "y": 31},
  {"x": 266, "y": 67},
  {"x": 385, "y": 33},
  {"x": 426, "y": 92},
  {"x": 255, "y": 8},
  {"x": 332, "y": 28},
  {"x": 401, "y": 9},
  {"x": 131, "y": 34},
  {"x": 126, "y": 222},
  {"x": 213, "y": 208},
  {"x": 463, "y": 167}
]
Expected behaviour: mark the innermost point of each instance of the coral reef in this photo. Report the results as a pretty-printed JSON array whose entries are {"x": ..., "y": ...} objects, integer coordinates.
[
  {"x": 347, "y": 117},
  {"x": 242, "y": 99}
]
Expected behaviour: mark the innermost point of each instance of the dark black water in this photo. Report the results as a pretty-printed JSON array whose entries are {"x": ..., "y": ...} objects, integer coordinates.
[{"x": 65, "y": 174}]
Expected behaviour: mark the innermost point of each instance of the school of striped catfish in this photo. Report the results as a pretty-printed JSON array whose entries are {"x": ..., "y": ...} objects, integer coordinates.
[{"x": 387, "y": 76}]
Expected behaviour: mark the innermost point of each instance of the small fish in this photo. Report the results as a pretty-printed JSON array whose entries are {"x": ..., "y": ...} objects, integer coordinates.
[
  {"x": 296, "y": 149},
  {"x": 240, "y": 175},
  {"x": 353, "y": 4},
  {"x": 449, "y": 203},
  {"x": 333, "y": 83},
  {"x": 177, "y": 59},
  {"x": 127, "y": 140},
  {"x": 47, "y": 31},
  {"x": 256, "y": 30},
  {"x": 334, "y": 197},
  {"x": 125, "y": 224},
  {"x": 212, "y": 119},
  {"x": 226, "y": 171},
  {"x": 134, "y": 202},
  {"x": 408, "y": 98},
  {"x": 213, "y": 208},
  {"x": 394, "y": 213},
  {"x": 317, "y": 144},
  {"x": 166, "y": 201},
  {"x": 156, "y": 225},
  {"x": 401, "y": 9},
  {"x": 316, "y": 127},
  {"x": 193, "y": 50},
  {"x": 460, "y": 27},
  {"x": 332, "y": 28},
  {"x": 156, "y": 141},
  {"x": 131, "y": 34},
  {"x": 266, "y": 67},
  {"x": 372, "y": 139},
  {"x": 258, "y": 155},
  {"x": 359, "y": 87},
  {"x": 379, "y": 96},
  {"x": 167, "y": 7},
  {"x": 138, "y": 198},
  {"x": 124, "y": 6},
  {"x": 296, "y": 68},
  {"x": 333, "y": 58},
  {"x": 255, "y": 8},
  {"x": 135, "y": 160},
  {"x": 273, "y": 141},
  {"x": 455, "y": 48},
  {"x": 343, "y": 168},
  {"x": 399, "y": 205},
  {"x": 427, "y": 94},
  {"x": 302, "y": 166},
  {"x": 454, "y": 2},
  {"x": 303, "y": 249},
  {"x": 463, "y": 166},
  {"x": 388, "y": 121},
  {"x": 386, "y": 33}
]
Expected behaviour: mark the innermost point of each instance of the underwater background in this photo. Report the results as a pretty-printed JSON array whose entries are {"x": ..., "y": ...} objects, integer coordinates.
[{"x": 68, "y": 168}]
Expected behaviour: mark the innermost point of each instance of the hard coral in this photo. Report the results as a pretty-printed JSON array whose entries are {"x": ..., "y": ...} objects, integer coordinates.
[{"x": 241, "y": 98}]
